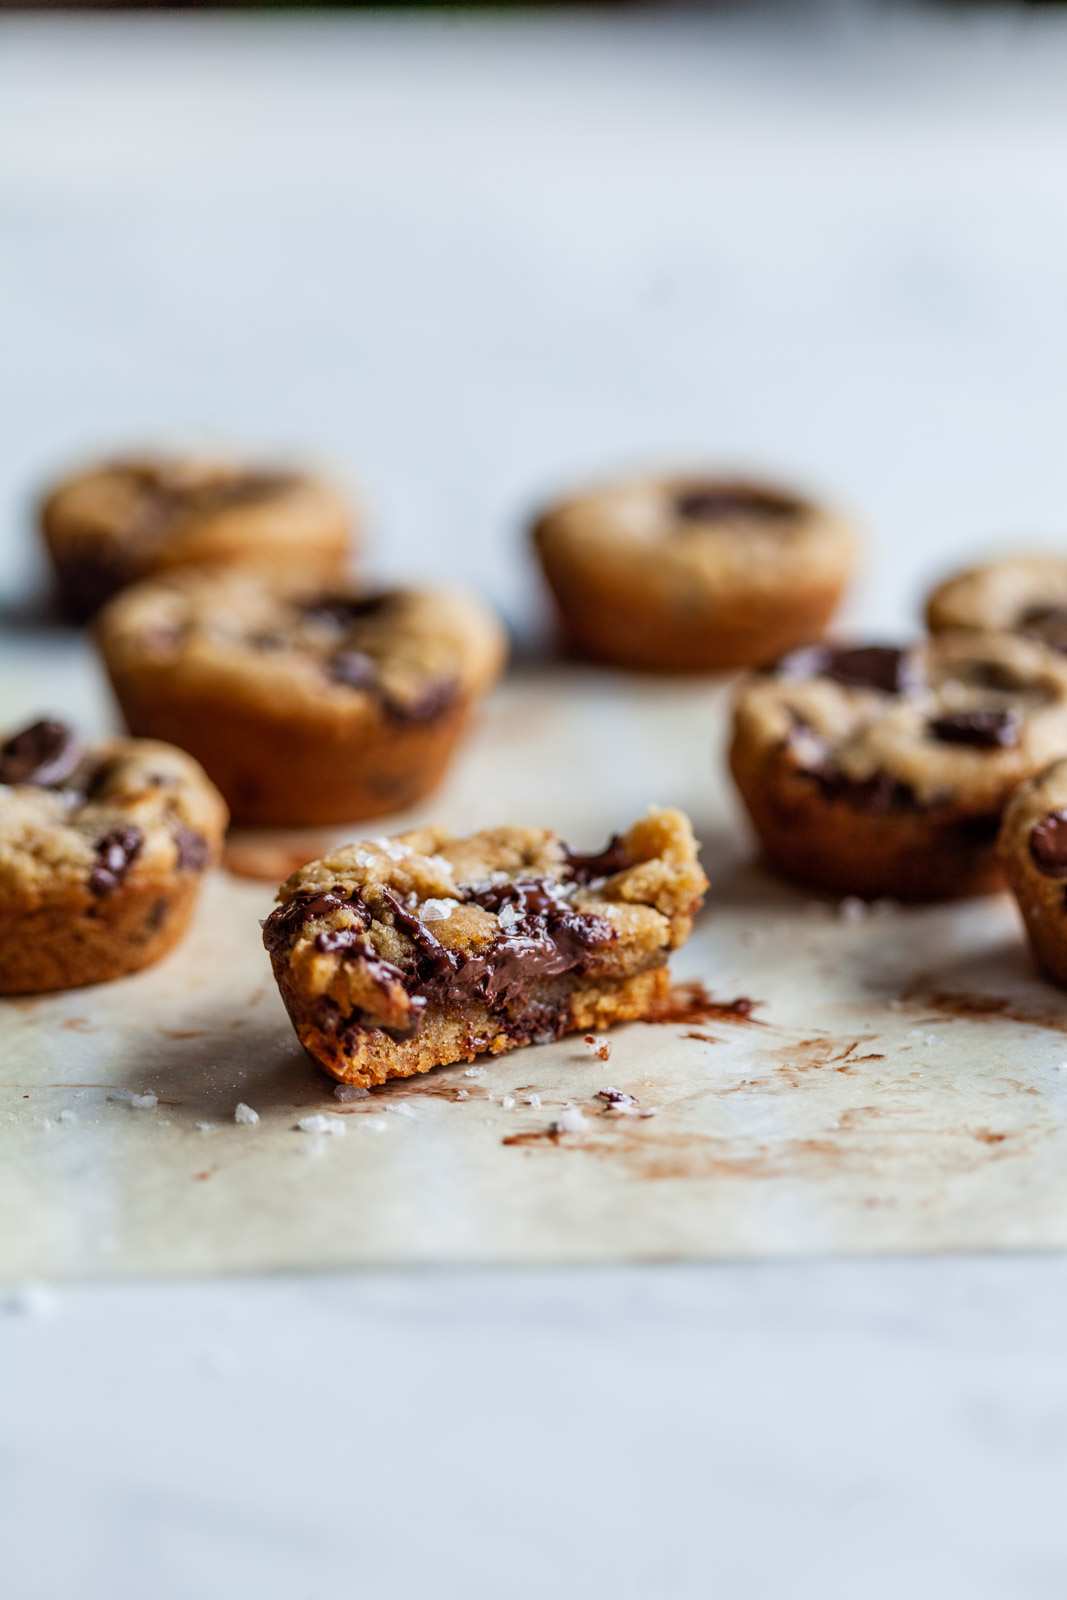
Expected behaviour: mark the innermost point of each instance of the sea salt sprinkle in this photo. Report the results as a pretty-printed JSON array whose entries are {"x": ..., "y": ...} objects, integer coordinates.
[
  {"x": 142, "y": 1102},
  {"x": 321, "y": 1124},
  {"x": 437, "y": 910},
  {"x": 852, "y": 909},
  {"x": 570, "y": 1120},
  {"x": 474, "y": 1072},
  {"x": 507, "y": 1102},
  {"x": 347, "y": 1092},
  {"x": 243, "y": 1113},
  {"x": 625, "y": 1105},
  {"x": 401, "y": 1111},
  {"x": 533, "y": 1099},
  {"x": 601, "y": 1048}
]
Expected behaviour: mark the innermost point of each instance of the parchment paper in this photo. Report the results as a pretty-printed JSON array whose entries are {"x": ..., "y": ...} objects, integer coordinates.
[{"x": 901, "y": 1084}]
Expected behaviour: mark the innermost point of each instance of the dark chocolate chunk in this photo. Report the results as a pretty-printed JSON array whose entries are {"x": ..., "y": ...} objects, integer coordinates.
[
  {"x": 721, "y": 502},
  {"x": 331, "y": 940},
  {"x": 1047, "y": 623},
  {"x": 286, "y": 921},
  {"x": 874, "y": 666},
  {"x": 192, "y": 849},
  {"x": 612, "y": 859},
  {"x": 987, "y": 728},
  {"x": 353, "y": 668},
  {"x": 45, "y": 754},
  {"x": 426, "y": 706},
  {"x": 880, "y": 792},
  {"x": 115, "y": 853},
  {"x": 1048, "y": 845},
  {"x": 343, "y": 610}
]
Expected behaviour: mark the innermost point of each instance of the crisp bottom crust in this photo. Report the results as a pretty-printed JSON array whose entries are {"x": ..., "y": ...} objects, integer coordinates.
[
  {"x": 832, "y": 846},
  {"x": 368, "y": 1056},
  {"x": 73, "y": 939}
]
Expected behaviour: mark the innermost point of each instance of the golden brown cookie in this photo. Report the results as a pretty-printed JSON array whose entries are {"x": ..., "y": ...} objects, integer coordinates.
[
  {"x": 314, "y": 707},
  {"x": 112, "y": 525},
  {"x": 876, "y": 771},
  {"x": 692, "y": 574},
  {"x": 397, "y": 955},
  {"x": 1019, "y": 594},
  {"x": 103, "y": 849},
  {"x": 1033, "y": 853}
]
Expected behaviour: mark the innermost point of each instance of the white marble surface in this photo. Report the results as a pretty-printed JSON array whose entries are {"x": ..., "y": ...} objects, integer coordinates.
[{"x": 467, "y": 262}]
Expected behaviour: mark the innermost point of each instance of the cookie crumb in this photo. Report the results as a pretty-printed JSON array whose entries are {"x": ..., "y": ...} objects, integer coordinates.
[
  {"x": 601, "y": 1048},
  {"x": 243, "y": 1113},
  {"x": 350, "y": 1091}
]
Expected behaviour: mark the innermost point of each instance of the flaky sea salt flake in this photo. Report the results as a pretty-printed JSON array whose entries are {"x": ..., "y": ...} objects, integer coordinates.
[{"x": 243, "y": 1113}]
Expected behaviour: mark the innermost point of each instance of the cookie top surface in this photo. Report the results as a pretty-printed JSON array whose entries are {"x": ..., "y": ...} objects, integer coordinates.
[
  {"x": 454, "y": 920},
  {"x": 1024, "y": 594},
  {"x": 168, "y": 508},
  {"x": 405, "y": 655},
  {"x": 961, "y": 719},
  {"x": 89, "y": 817},
  {"x": 707, "y": 527}
]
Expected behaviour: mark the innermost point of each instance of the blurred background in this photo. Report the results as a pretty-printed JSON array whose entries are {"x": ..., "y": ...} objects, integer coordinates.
[{"x": 468, "y": 258}]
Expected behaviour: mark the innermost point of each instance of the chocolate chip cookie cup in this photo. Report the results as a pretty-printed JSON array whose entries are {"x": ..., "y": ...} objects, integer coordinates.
[
  {"x": 1019, "y": 594},
  {"x": 103, "y": 849},
  {"x": 692, "y": 574},
  {"x": 1033, "y": 853},
  {"x": 877, "y": 771},
  {"x": 310, "y": 707},
  {"x": 394, "y": 956},
  {"x": 110, "y": 526}
]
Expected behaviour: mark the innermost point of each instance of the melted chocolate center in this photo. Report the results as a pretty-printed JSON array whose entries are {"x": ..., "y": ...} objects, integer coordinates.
[{"x": 986, "y": 728}]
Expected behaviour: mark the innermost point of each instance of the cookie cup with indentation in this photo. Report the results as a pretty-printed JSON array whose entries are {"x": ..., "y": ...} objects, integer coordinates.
[
  {"x": 882, "y": 772},
  {"x": 305, "y": 707},
  {"x": 394, "y": 956},
  {"x": 1033, "y": 853},
  {"x": 109, "y": 526},
  {"x": 102, "y": 856},
  {"x": 1024, "y": 594},
  {"x": 693, "y": 574}
]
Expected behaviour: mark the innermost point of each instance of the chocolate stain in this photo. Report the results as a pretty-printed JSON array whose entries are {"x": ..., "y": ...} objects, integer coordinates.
[
  {"x": 78, "y": 1025},
  {"x": 980, "y": 1007},
  {"x": 691, "y": 1002}
]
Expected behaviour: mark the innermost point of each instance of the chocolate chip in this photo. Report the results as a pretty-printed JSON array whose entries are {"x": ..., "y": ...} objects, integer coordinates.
[
  {"x": 43, "y": 754},
  {"x": 1047, "y": 623},
  {"x": 343, "y": 610},
  {"x": 353, "y": 668},
  {"x": 721, "y": 502},
  {"x": 115, "y": 853},
  {"x": 192, "y": 849},
  {"x": 613, "y": 858},
  {"x": 426, "y": 706},
  {"x": 1048, "y": 845},
  {"x": 880, "y": 792},
  {"x": 986, "y": 728},
  {"x": 874, "y": 666}
]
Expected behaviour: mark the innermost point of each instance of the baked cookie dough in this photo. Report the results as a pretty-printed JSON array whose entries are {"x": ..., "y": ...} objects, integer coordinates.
[
  {"x": 692, "y": 574},
  {"x": 1033, "y": 853},
  {"x": 110, "y": 526},
  {"x": 876, "y": 771},
  {"x": 310, "y": 707},
  {"x": 397, "y": 955},
  {"x": 103, "y": 848},
  {"x": 1019, "y": 594}
]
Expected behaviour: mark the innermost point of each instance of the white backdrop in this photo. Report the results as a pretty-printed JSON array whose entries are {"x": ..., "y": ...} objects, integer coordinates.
[{"x": 466, "y": 262}]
